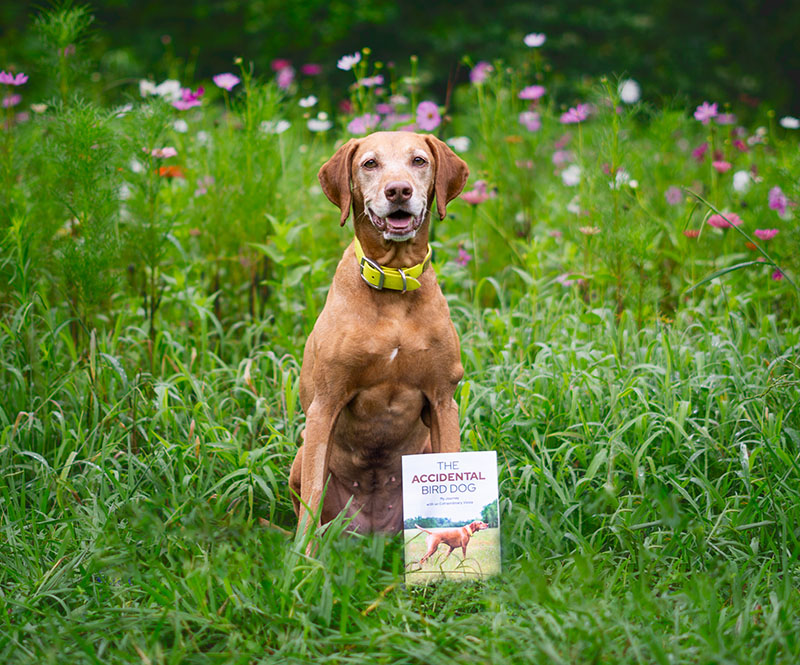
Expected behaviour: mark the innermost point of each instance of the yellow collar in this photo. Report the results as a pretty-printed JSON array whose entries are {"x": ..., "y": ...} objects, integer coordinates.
[{"x": 398, "y": 279}]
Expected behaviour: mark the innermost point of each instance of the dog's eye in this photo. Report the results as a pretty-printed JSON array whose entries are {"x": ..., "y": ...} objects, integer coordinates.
[
  {"x": 370, "y": 164},
  {"x": 419, "y": 161}
]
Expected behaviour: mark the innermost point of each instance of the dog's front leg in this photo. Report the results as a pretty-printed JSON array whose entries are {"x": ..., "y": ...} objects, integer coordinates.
[
  {"x": 445, "y": 431},
  {"x": 320, "y": 421}
]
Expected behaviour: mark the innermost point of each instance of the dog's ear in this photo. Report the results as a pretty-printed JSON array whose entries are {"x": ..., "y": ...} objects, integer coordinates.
[
  {"x": 334, "y": 176},
  {"x": 451, "y": 174}
]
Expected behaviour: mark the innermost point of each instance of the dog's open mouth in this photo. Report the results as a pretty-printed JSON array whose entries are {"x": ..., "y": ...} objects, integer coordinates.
[{"x": 397, "y": 225}]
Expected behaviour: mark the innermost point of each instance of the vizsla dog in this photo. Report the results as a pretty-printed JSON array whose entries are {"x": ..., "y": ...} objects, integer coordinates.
[
  {"x": 382, "y": 362},
  {"x": 458, "y": 537}
]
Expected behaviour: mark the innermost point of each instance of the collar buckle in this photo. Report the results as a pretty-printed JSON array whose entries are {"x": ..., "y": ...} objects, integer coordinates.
[{"x": 378, "y": 269}]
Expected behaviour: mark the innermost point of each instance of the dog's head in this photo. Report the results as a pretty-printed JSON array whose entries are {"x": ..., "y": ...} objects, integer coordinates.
[
  {"x": 478, "y": 526},
  {"x": 390, "y": 180}
]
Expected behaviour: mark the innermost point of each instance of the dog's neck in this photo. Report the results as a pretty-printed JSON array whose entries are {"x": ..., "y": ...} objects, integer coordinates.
[{"x": 390, "y": 253}]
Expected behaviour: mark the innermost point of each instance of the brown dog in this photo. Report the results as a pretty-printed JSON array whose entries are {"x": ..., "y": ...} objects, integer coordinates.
[
  {"x": 458, "y": 537},
  {"x": 381, "y": 365}
]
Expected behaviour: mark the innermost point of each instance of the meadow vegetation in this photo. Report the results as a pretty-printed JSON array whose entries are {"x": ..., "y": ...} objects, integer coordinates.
[{"x": 623, "y": 281}]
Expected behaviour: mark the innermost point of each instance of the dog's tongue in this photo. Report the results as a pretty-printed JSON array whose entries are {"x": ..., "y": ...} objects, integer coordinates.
[{"x": 399, "y": 223}]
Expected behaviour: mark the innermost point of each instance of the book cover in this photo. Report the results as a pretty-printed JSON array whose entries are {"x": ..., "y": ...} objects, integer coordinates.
[{"x": 451, "y": 522}]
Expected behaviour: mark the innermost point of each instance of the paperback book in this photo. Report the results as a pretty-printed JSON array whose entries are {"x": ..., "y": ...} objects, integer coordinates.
[{"x": 451, "y": 522}]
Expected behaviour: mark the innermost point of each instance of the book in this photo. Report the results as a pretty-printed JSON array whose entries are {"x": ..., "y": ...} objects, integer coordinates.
[{"x": 451, "y": 521}]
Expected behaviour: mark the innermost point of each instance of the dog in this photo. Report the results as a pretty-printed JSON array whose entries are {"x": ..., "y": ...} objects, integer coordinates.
[
  {"x": 458, "y": 537},
  {"x": 382, "y": 363}
]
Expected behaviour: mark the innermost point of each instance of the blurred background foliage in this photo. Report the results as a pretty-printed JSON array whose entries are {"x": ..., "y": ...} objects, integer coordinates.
[{"x": 729, "y": 51}]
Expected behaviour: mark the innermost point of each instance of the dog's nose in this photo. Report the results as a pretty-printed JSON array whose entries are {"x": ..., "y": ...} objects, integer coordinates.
[{"x": 398, "y": 191}]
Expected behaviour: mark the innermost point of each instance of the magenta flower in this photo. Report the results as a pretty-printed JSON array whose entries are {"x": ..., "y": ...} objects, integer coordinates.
[
  {"x": 280, "y": 63},
  {"x": 480, "y": 72},
  {"x": 725, "y": 119},
  {"x": 720, "y": 222},
  {"x": 705, "y": 112},
  {"x": 428, "y": 117},
  {"x": 384, "y": 109},
  {"x": 226, "y": 81},
  {"x": 9, "y": 79},
  {"x": 530, "y": 120},
  {"x": 777, "y": 275},
  {"x": 778, "y": 200},
  {"x": 561, "y": 157},
  {"x": 285, "y": 78},
  {"x": 463, "y": 257},
  {"x": 363, "y": 123},
  {"x": 765, "y": 234},
  {"x": 531, "y": 92},
  {"x": 311, "y": 69},
  {"x": 11, "y": 100},
  {"x": 721, "y": 165},
  {"x": 673, "y": 195},
  {"x": 188, "y": 99},
  {"x": 699, "y": 153},
  {"x": 575, "y": 114}
]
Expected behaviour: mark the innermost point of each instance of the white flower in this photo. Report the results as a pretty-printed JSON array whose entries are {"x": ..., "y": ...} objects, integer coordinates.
[
  {"x": 633, "y": 184},
  {"x": 121, "y": 111},
  {"x": 534, "y": 39},
  {"x": 164, "y": 153},
  {"x": 622, "y": 178},
  {"x": 629, "y": 91},
  {"x": 398, "y": 100},
  {"x": 571, "y": 175},
  {"x": 319, "y": 125},
  {"x": 347, "y": 62},
  {"x": 125, "y": 191},
  {"x": 147, "y": 88},
  {"x": 202, "y": 137},
  {"x": 789, "y": 122},
  {"x": 136, "y": 166},
  {"x": 170, "y": 90},
  {"x": 459, "y": 143},
  {"x": 275, "y": 126},
  {"x": 741, "y": 181},
  {"x": 180, "y": 126},
  {"x": 574, "y": 205},
  {"x": 308, "y": 102}
]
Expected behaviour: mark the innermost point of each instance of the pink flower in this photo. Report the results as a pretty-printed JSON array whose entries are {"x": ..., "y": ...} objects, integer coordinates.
[
  {"x": 531, "y": 92},
  {"x": 721, "y": 166},
  {"x": 740, "y": 145},
  {"x": 475, "y": 196},
  {"x": 575, "y": 114},
  {"x": 188, "y": 99},
  {"x": 725, "y": 119},
  {"x": 589, "y": 230},
  {"x": 534, "y": 39},
  {"x": 392, "y": 120},
  {"x": 778, "y": 200},
  {"x": 480, "y": 72},
  {"x": 673, "y": 195},
  {"x": 705, "y": 112},
  {"x": 561, "y": 157},
  {"x": 280, "y": 63},
  {"x": 311, "y": 69},
  {"x": 347, "y": 62},
  {"x": 699, "y": 153},
  {"x": 371, "y": 81},
  {"x": 9, "y": 79},
  {"x": 164, "y": 153},
  {"x": 691, "y": 233},
  {"x": 530, "y": 120},
  {"x": 720, "y": 222},
  {"x": 384, "y": 109},
  {"x": 463, "y": 258},
  {"x": 363, "y": 123},
  {"x": 777, "y": 275},
  {"x": 566, "y": 279},
  {"x": 285, "y": 78},
  {"x": 765, "y": 234},
  {"x": 226, "y": 81},
  {"x": 11, "y": 100},
  {"x": 561, "y": 142},
  {"x": 428, "y": 117}
]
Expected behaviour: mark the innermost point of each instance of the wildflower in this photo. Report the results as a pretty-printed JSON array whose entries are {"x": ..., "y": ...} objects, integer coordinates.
[
  {"x": 38, "y": 108},
  {"x": 622, "y": 177},
  {"x": 384, "y": 108},
  {"x": 534, "y": 39},
  {"x": 561, "y": 157},
  {"x": 203, "y": 184},
  {"x": 565, "y": 279},
  {"x": 721, "y": 166},
  {"x": 371, "y": 81},
  {"x": 347, "y": 62},
  {"x": 530, "y": 120},
  {"x": 699, "y": 153},
  {"x": 285, "y": 78},
  {"x": 311, "y": 69},
  {"x": 308, "y": 102},
  {"x": 778, "y": 200},
  {"x": 459, "y": 143},
  {"x": 574, "y": 206},
  {"x": 741, "y": 182},
  {"x": 171, "y": 171},
  {"x": 11, "y": 100},
  {"x": 705, "y": 112},
  {"x": 751, "y": 245},
  {"x": 789, "y": 122},
  {"x": 723, "y": 222},
  {"x": 428, "y": 117},
  {"x": 765, "y": 234},
  {"x": 279, "y": 63},
  {"x": 777, "y": 275},
  {"x": 202, "y": 137},
  {"x": 725, "y": 119},
  {"x": 629, "y": 91},
  {"x": 575, "y": 114},
  {"x": 226, "y": 81},
  {"x": 275, "y": 126},
  {"x": 188, "y": 99},
  {"x": 475, "y": 196},
  {"x": 740, "y": 145},
  {"x": 531, "y": 92},
  {"x": 562, "y": 141},
  {"x": 589, "y": 230},
  {"x": 673, "y": 195},
  {"x": 363, "y": 123},
  {"x": 571, "y": 175},
  {"x": 480, "y": 72},
  {"x": 691, "y": 233},
  {"x": 169, "y": 90},
  {"x": 555, "y": 233},
  {"x": 463, "y": 257},
  {"x": 180, "y": 126},
  {"x": 9, "y": 79},
  {"x": 320, "y": 123},
  {"x": 164, "y": 153},
  {"x": 393, "y": 120}
]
